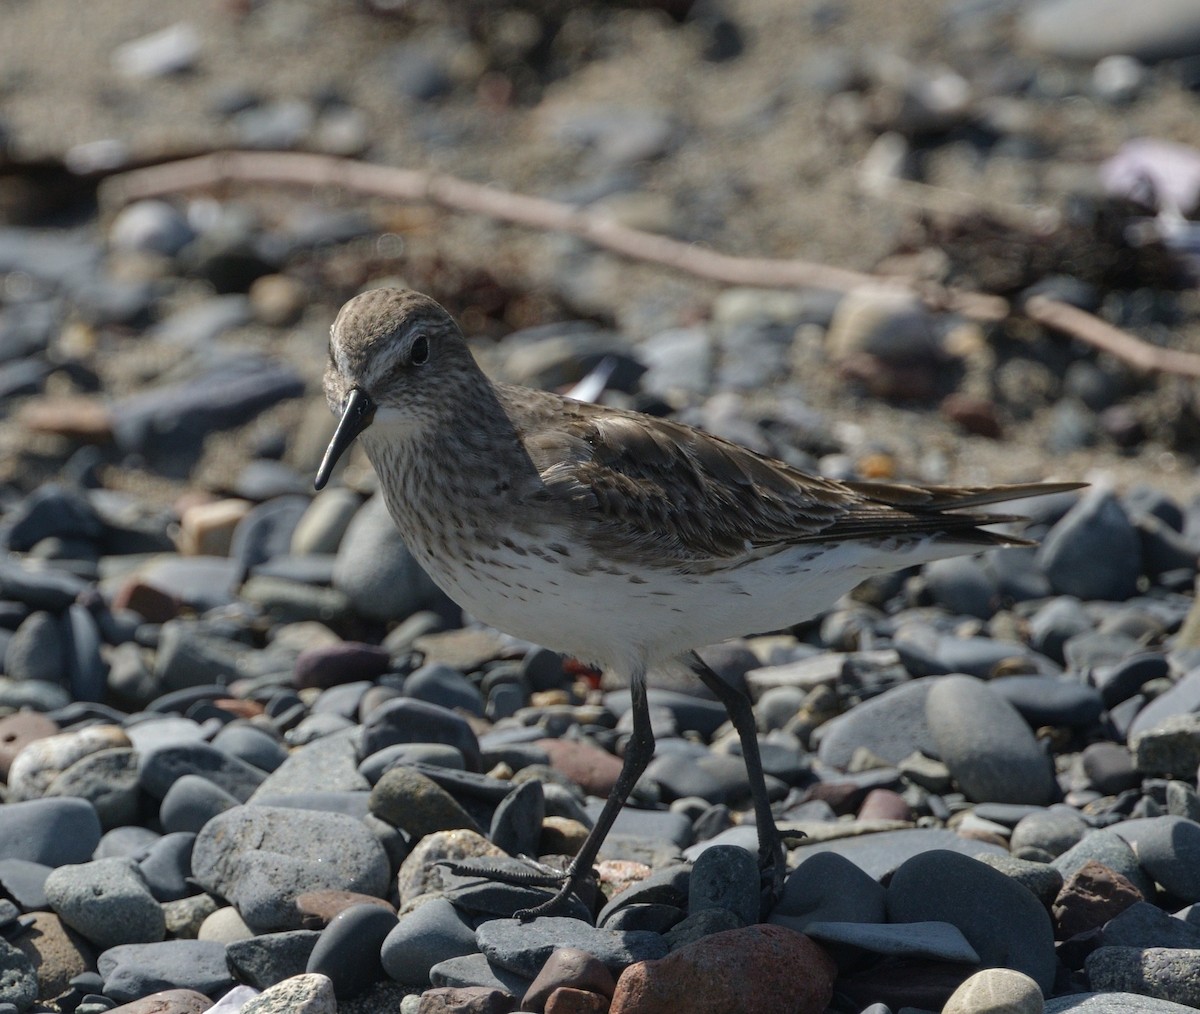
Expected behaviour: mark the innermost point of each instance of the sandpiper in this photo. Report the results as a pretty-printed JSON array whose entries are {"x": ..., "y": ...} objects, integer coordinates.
[{"x": 625, "y": 540}]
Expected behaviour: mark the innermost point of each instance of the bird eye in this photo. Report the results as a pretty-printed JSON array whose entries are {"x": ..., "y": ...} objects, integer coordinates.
[{"x": 418, "y": 355}]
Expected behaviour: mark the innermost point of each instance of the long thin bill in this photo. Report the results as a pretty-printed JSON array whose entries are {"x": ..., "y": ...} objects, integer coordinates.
[{"x": 356, "y": 417}]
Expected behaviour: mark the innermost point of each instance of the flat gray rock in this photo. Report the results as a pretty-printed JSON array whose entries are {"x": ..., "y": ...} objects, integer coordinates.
[
  {"x": 260, "y": 858},
  {"x": 1113, "y": 1003},
  {"x": 107, "y": 901},
  {"x": 132, "y": 971},
  {"x": 1168, "y": 849},
  {"x": 938, "y": 940},
  {"x": 892, "y": 726},
  {"x": 524, "y": 947},
  {"x": 432, "y": 933},
  {"x": 879, "y": 854}
]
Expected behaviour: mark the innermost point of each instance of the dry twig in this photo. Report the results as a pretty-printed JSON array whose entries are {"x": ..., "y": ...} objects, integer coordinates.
[{"x": 224, "y": 168}]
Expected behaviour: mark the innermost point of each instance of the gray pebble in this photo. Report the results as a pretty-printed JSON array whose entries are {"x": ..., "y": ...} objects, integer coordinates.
[
  {"x": 433, "y": 932},
  {"x": 132, "y": 971},
  {"x": 260, "y": 858},
  {"x": 38, "y": 650},
  {"x": 1094, "y": 551},
  {"x": 1048, "y": 833},
  {"x": 18, "y": 978},
  {"x": 108, "y": 901},
  {"x": 827, "y": 887},
  {"x": 161, "y": 766},
  {"x": 108, "y": 779},
  {"x": 989, "y": 748},
  {"x": 476, "y": 970},
  {"x": 937, "y": 940},
  {"x": 524, "y": 947},
  {"x": 52, "y": 832},
  {"x": 1168, "y": 849},
  {"x": 263, "y": 960},
  {"x": 1165, "y": 973},
  {"x": 726, "y": 877}
]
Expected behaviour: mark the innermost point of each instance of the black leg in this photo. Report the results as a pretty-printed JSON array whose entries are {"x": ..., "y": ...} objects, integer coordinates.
[
  {"x": 638, "y": 753},
  {"x": 771, "y": 854}
]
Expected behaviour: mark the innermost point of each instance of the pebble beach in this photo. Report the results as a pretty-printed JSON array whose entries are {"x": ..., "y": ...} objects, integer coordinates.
[{"x": 240, "y": 729}]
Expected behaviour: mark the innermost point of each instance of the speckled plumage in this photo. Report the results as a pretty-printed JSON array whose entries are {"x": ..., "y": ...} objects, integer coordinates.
[{"x": 623, "y": 539}]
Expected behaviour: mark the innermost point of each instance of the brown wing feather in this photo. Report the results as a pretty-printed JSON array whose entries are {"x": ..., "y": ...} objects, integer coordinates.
[{"x": 647, "y": 484}]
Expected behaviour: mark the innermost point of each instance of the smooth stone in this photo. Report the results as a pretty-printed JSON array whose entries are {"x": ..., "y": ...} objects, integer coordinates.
[
  {"x": 517, "y": 821},
  {"x": 51, "y": 510},
  {"x": 1050, "y": 700},
  {"x": 416, "y": 804},
  {"x": 569, "y": 967},
  {"x": 827, "y": 887},
  {"x": 791, "y": 973},
  {"x": 1042, "y": 880},
  {"x": 349, "y": 949},
  {"x": 86, "y": 670},
  {"x": 353, "y": 804},
  {"x": 989, "y": 748},
  {"x": 880, "y": 853},
  {"x": 345, "y": 662},
  {"x": 1003, "y": 922},
  {"x": 53, "y": 832},
  {"x": 191, "y": 802},
  {"x": 41, "y": 762},
  {"x": 318, "y": 908},
  {"x": 264, "y": 960},
  {"x": 37, "y": 650},
  {"x": 377, "y": 572},
  {"x": 1093, "y": 552},
  {"x": 224, "y": 925},
  {"x": 1048, "y": 832},
  {"x": 430, "y": 934},
  {"x": 147, "y": 733},
  {"x": 322, "y": 526},
  {"x": 163, "y": 765},
  {"x": 25, "y": 883},
  {"x": 17, "y": 731},
  {"x": 892, "y": 725},
  {"x": 524, "y": 947},
  {"x": 996, "y": 991},
  {"x": 107, "y": 901},
  {"x": 167, "y": 866},
  {"x": 108, "y": 779},
  {"x": 191, "y": 655},
  {"x": 1109, "y": 767},
  {"x": 261, "y": 858},
  {"x": 725, "y": 877},
  {"x": 330, "y": 761},
  {"x": 476, "y": 970},
  {"x": 444, "y": 686},
  {"x": 150, "y": 226},
  {"x": 1143, "y": 924},
  {"x": 1161, "y": 972},
  {"x": 1168, "y": 849},
  {"x": 128, "y": 842},
  {"x": 404, "y": 720},
  {"x": 431, "y": 754},
  {"x": 1091, "y": 29},
  {"x": 1055, "y": 623},
  {"x": 252, "y": 745},
  {"x": 132, "y": 971},
  {"x": 938, "y": 940},
  {"x": 1182, "y": 698},
  {"x": 46, "y": 588},
  {"x": 691, "y": 712}
]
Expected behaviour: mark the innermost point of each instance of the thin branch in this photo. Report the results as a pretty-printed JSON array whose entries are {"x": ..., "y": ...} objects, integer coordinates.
[
  {"x": 324, "y": 171},
  {"x": 1101, "y": 335}
]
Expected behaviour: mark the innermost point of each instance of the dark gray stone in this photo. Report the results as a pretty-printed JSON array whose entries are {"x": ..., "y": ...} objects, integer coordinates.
[
  {"x": 524, "y": 947},
  {"x": 52, "y": 832},
  {"x": 263, "y": 960},
  {"x": 1094, "y": 552},
  {"x": 431, "y": 933},
  {"x": 348, "y": 951},
  {"x": 163, "y": 765},
  {"x": 132, "y": 971},
  {"x": 827, "y": 887},
  {"x": 1165, "y": 973},
  {"x": 726, "y": 877},
  {"x": 1168, "y": 849}
]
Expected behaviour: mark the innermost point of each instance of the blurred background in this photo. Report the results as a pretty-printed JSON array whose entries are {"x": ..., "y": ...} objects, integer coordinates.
[{"x": 992, "y": 146}]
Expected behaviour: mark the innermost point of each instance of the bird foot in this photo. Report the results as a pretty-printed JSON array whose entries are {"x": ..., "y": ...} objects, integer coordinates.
[
  {"x": 772, "y": 865},
  {"x": 536, "y": 875}
]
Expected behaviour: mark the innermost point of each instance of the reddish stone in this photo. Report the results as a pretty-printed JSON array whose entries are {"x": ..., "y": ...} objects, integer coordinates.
[
  {"x": 1091, "y": 896},
  {"x": 318, "y": 908},
  {"x": 592, "y": 769},
  {"x": 975, "y": 415},
  {"x": 573, "y": 968},
  {"x": 566, "y": 1000},
  {"x": 17, "y": 731},
  {"x": 239, "y": 707},
  {"x": 154, "y": 604},
  {"x": 754, "y": 970},
  {"x": 842, "y": 797},
  {"x": 884, "y": 804},
  {"x": 333, "y": 664},
  {"x": 466, "y": 1000}
]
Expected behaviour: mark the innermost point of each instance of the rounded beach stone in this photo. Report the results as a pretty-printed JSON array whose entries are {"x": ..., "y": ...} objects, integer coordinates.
[
  {"x": 1168, "y": 849},
  {"x": 989, "y": 749},
  {"x": 348, "y": 950},
  {"x": 1047, "y": 833},
  {"x": 709, "y": 976},
  {"x": 569, "y": 967},
  {"x": 52, "y": 832},
  {"x": 167, "y": 1001},
  {"x": 996, "y": 991},
  {"x": 1167, "y": 973},
  {"x": 260, "y": 858},
  {"x": 1003, "y": 921},
  {"x": 420, "y": 873},
  {"x": 1092, "y": 896},
  {"x": 191, "y": 802},
  {"x": 107, "y": 901},
  {"x": 57, "y": 952},
  {"x": 827, "y": 887},
  {"x": 263, "y": 960},
  {"x": 524, "y": 947},
  {"x": 1109, "y": 848},
  {"x": 409, "y": 800},
  {"x": 430, "y": 933},
  {"x": 17, "y": 731},
  {"x": 1093, "y": 552},
  {"x": 301, "y": 994},
  {"x": 108, "y": 779},
  {"x": 725, "y": 877},
  {"x": 161, "y": 766},
  {"x": 132, "y": 971},
  {"x": 36, "y": 766},
  {"x": 893, "y": 726}
]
